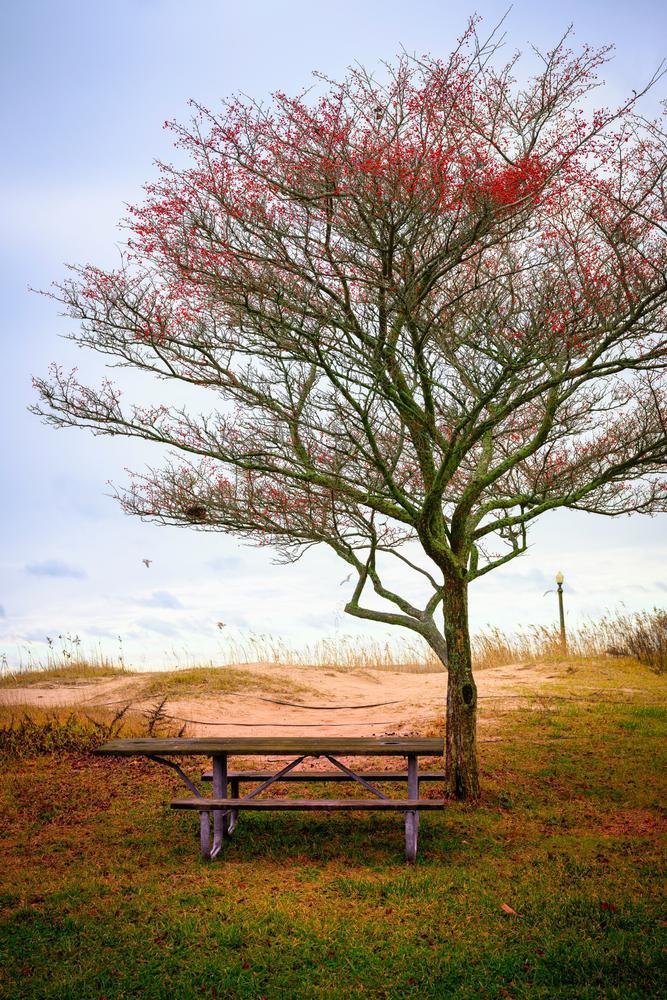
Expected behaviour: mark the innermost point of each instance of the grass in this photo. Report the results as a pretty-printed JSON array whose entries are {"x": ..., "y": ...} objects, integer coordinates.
[
  {"x": 185, "y": 682},
  {"x": 642, "y": 635},
  {"x": 344, "y": 652},
  {"x": 600, "y": 679},
  {"x": 28, "y": 730},
  {"x": 67, "y": 662},
  {"x": 104, "y": 895},
  {"x": 77, "y": 672},
  {"x": 216, "y": 680}
]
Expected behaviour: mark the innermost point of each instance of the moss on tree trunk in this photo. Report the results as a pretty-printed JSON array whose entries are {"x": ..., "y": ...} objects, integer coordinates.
[{"x": 461, "y": 713}]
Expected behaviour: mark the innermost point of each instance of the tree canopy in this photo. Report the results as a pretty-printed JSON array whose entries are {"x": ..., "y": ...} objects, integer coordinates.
[{"x": 431, "y": 304}]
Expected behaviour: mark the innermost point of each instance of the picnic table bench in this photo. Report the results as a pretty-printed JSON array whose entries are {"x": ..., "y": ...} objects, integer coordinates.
[{"x": 225, "y": 809}]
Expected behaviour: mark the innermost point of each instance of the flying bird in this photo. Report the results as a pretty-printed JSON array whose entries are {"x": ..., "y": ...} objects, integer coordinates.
[
  {"x": 220, "y": 624},
  {"x": 345, "y": 580},
  {"x": 147, "y": 563}
]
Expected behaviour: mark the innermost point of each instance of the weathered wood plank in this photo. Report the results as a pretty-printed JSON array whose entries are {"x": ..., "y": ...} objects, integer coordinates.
[
  {"x": 220, "y": 791},
  {"x": 412, "y": 818},
  {"x": 356, "y": 777},
  {"x": 328, "y": 776},
  {"x": 205, "y": 835},
  {"x": 262, "y": 746},
  {"x": 309, "y": 805}
]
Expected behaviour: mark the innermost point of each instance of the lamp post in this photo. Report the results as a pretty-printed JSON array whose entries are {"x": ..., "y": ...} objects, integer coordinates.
[{"x": 563, "y": 638}]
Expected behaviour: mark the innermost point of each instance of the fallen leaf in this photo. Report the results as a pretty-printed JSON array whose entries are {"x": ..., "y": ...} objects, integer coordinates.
[
  {"x": 604, "y": 905},
  {"x": 508, "y": 909}
]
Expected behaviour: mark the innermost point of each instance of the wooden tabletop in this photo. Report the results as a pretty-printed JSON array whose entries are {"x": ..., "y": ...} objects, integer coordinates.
[{"x": 243, "y": 746}]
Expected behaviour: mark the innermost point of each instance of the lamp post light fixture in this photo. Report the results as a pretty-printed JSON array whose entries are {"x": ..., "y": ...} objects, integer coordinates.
[{"x": 563, "y": 638}]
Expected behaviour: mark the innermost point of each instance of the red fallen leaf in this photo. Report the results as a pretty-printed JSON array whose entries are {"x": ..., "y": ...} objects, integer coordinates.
[
  {"x": 604, "y": 905},
  {"x": 245, "y": 965},
  {"x": 508, "y": 909}
]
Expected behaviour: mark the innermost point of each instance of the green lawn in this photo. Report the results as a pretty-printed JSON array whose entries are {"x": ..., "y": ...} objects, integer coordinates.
[{"x": 104, "y": 895}]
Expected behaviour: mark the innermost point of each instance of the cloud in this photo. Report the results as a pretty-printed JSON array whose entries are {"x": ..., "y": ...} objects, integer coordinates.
[
  {"x": 532, "y": 579},
  {"x": 159, "y": 599},
  {"x": 532, "y": 583},
  {"x": 54, "y": 567},
  {"x": 225, "y": 563},
  {"x": 238, "y": 621},
  {"x": 234, "y": 620},
  {"x": 157, "y": 625},
  {"x": 3, "y": 614},
  {"x": 101, "y": 633},
  {"x": 313, "y": 619}
]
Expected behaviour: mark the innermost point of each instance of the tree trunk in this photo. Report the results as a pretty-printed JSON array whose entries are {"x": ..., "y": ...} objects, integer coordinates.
[{"x": 461, "y": 719}]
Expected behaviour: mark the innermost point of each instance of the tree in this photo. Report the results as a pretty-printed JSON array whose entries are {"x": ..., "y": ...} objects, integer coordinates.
[{"x": 429, "y": 308}]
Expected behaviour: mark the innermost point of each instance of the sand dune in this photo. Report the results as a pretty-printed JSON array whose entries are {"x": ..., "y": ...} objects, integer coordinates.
[{"x": 372, "y": 702}]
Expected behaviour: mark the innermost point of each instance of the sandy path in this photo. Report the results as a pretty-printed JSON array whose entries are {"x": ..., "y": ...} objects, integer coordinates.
[{"x": 415, "y": 700}]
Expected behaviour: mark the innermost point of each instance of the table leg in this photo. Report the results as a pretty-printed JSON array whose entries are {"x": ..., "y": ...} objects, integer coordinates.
[
  {"x": 205, "y": 835},
  {"x": 234, "y": 815},
  {"x": 412, "y": 817},
  {"x": 204, "y": 817},
  {"x": 414, "y": 790},
  {"x": 219, "y": 792}
]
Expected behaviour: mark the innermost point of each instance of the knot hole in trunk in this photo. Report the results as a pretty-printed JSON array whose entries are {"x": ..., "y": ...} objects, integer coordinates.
[{"x": 467, "y": 693}]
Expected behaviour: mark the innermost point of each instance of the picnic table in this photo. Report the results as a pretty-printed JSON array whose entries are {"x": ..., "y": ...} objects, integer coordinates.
[{"x": 225, "y": 809}]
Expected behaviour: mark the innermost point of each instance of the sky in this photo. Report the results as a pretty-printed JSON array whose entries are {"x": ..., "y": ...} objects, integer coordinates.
[{"x": 86, "y": 89}]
